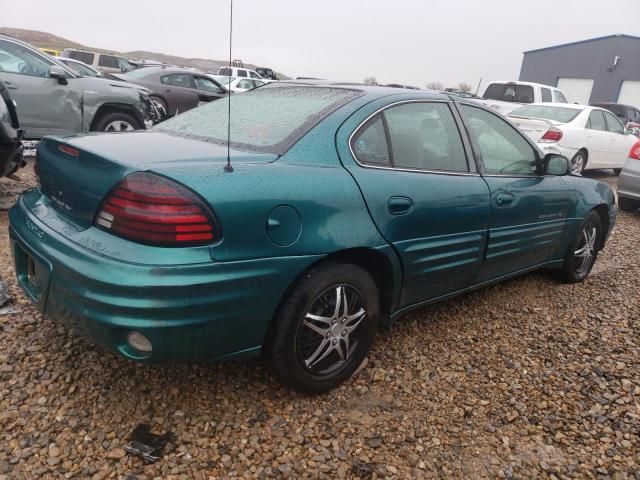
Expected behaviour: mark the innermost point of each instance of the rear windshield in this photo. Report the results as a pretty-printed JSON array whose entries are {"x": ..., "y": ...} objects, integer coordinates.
[
  {"x": 141, "y": 72},
  {"x": 507, "y": 92},
  {"x": 269, "y": 119},
  {"x": 557, "y": 114}
]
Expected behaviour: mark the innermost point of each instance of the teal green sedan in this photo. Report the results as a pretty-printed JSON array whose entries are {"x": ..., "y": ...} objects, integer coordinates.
[{"x": 345, "y": 207}]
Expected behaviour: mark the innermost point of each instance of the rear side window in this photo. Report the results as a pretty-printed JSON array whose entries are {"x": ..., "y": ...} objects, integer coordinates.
[
  {"x": 108, "y": 61},
  {"x": 559, "y": 97},
  {"x": 370, "y": 145},
  {"x": 85, "y": 57},
  {"x": 546, "y": 95},
  {"x": 596, "y": 121},
  {"x": 268, "y": 119},
  {"x": 226, "y": 72},
  {"x": 504, "y": 151},
  {"x": 242, "y": 73},
  {"x": 509, "y": 92},
  {"x": 178, "y": 80}
]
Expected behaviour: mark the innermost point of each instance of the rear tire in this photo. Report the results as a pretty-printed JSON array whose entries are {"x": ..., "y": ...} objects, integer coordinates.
[
  {"x": 628, "y": 204},
  {"x": 583, "y": 250},
  {"x": 324, "y": 328},
  {"x": 117, "y": 122},
  {"x": 579, "y": 162}
]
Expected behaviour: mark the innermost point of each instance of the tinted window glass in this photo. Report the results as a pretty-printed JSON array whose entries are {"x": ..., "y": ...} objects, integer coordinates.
[
  {"x": 369, "y": 144},
  {"x": 558, "y": 114},
  {"x": 559, "y": 97},
  {"x": 178, "y": 80},
  {"x": 268, "y": 119},
  {"x": 15, "y": 58},
  {"x": 425, "y": 136},
  {"x": 206, "y": 85},
  {"x": 546, "y": 95},
  {"x": 242, "y": 73},
  {"x": 504, "y": 151},
  {"x": 596, "y": 121},
  {"x": 509, "y": 93},
  {"x": 225, "y": 72},
  {"x": 84, "y": 57},
  {"x": 108, "y": 61},
  {"x": 613, "y": 124}
]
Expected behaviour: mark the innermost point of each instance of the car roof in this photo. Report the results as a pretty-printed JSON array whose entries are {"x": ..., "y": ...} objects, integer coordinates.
[{"x": 371, "y": 90}]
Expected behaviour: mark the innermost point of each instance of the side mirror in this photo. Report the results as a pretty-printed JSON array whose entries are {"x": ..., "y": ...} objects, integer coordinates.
[
  {"x": 555, "y": 164},
  {"x": 58, "y": 73}
]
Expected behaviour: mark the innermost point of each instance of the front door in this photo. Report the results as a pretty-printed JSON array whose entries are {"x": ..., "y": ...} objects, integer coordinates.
[
  {"x": 422, "y": 191},
  {"x": 44, "y": 106},
  {"x": 528, "y": 210},
  {"x": 180, "y": 91}
]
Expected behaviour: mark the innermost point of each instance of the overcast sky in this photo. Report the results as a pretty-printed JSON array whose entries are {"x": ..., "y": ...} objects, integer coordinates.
[{"x": 402, "y": 41}]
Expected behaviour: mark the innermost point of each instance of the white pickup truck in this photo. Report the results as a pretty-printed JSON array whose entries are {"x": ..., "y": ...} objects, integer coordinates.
[{"x": 505, "y": 97}]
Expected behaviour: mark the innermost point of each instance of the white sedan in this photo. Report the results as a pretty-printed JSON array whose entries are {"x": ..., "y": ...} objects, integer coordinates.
[
  {"x": 238, "y": 84},
  {"x": 591, "y": 137}
]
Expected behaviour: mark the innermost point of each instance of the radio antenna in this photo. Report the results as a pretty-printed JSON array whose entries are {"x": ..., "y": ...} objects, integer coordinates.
[{"x": 228, "y": 167}]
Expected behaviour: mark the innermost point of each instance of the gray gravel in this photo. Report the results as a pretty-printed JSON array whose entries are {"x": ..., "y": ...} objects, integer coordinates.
[{"x": 527, "y": 379}]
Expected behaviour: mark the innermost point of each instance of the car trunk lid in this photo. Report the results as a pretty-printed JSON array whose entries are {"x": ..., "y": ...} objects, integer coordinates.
[
  {"x": 76, "y": 173},
  {"x": 534, "y": 128}
]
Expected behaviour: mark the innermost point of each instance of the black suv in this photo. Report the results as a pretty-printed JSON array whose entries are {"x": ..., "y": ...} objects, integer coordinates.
[
  {"x": 10, "y": 135},
  {"x": 626, "y": 113}
]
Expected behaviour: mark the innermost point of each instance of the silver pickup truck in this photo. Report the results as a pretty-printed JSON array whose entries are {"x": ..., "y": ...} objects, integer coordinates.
[
  {"x": 504, "y": 97},
  {"x": 53, "y": 100}
]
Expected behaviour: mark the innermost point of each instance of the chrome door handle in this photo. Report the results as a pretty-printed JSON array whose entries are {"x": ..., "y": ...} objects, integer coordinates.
[
  {"x": 400, "y": 205},
  {"x": 505, "y": 199}
]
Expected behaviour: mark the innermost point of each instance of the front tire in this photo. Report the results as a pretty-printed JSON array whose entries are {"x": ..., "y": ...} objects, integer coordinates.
[
  {"x": 583, "y": 250},
  {"x": 117, "y": 122},
  {"x": 628, "y": 204},
  {"x": 324, "y": 328}
]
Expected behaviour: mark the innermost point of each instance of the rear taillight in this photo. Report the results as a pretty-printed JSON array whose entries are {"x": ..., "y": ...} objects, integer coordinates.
[
  {"x": 552, "y": 135},
  {"x": 150, "y": 209},
  {"x": 635, "y": 151}
]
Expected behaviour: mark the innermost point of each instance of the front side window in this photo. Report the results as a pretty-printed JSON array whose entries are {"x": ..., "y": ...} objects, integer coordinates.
[
  {"x": 206, "y": 85},
  {"x": 504, "y": 151},
  {"x": 15, "y": 58},
  {"x": 254, "y": 75},
  {"x": 613, "y": 124},
  {"x": 370, "y": 145},
  {"x": 225, "y": 72},
  {"x": 546, "y": 95},
  {"x": 560, "y": 97},
  {"x": 596, "y": 121},
  {"x": 178, "y": 80},
  {"x": 84, "y": 57},
  {"x": 108, "y": 61}
]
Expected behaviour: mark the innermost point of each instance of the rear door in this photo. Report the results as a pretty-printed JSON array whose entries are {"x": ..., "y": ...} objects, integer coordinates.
[
  {"x": 425, "y": 197},
  {"x": 598, "y": 139},
  {"x": 619, "y": 144},
  {"x": 180, "y": 91},
  {"x": 528, "y": 210}
]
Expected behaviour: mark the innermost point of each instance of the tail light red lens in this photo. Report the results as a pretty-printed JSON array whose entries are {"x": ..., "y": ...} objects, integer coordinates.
[
  {"x": 635, "y": 151},
  {"x": 150, "y": 209},
  {"x": 552, "y": 135}
]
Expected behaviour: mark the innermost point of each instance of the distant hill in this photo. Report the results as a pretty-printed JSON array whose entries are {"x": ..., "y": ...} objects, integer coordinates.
[{"x": 48, "y": 40}]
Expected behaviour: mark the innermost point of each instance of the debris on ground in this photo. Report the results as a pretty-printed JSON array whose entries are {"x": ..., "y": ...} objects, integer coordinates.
[{"x": 147, "y": 445}]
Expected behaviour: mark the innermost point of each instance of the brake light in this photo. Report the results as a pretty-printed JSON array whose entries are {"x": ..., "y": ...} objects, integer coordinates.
[
  {"x": 634, "y": 153},
  {"x": 552, "y": 135},
  {"x": 150, "y": 209}
]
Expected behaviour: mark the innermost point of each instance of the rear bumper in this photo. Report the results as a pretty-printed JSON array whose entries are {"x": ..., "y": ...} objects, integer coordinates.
[
  {"x": 202, "y": 311},
  {"x": 629, "y": 180}
]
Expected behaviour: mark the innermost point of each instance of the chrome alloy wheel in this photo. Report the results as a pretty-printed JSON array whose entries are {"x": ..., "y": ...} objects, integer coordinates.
[
  {"x": 328, "y": 334},
  {"x": 577, "y": 163},
  {"x": 119, "y": 126},
  {"x": 585, "y": 254}
]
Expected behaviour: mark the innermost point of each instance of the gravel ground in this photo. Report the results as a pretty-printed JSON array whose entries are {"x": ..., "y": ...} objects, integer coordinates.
[{"x": 526, "y": 379}]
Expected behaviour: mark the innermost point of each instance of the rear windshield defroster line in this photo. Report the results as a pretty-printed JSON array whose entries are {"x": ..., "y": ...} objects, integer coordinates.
[{"x": 270, "y": 119}]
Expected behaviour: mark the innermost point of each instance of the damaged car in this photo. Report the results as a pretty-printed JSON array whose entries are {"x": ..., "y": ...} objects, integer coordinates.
[
  {"x": 10, "y": 135},
  {"x": 51, "y": 99},
  {"x": 296, "y": 235}
]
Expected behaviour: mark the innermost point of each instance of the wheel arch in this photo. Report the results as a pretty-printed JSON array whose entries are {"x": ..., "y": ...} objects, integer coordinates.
[
  {"x": 603, "y": 212},
  {"x": 112, "y": 107}
]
